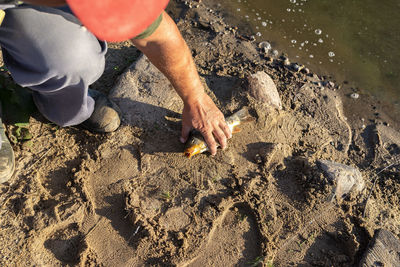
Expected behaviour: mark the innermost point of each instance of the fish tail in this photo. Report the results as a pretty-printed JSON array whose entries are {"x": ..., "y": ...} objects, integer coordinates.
[{"x": 244, "y": 116}]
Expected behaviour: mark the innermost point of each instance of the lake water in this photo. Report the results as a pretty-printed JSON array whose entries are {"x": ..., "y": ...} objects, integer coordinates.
[{"x": 357, "y": 42}]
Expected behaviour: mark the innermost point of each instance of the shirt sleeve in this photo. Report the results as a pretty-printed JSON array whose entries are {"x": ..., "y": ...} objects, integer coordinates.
[{"x": 151, "y": 29}]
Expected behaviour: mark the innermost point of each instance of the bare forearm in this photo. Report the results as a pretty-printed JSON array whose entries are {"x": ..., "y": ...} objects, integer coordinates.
[{"x": 167, "y": 50}]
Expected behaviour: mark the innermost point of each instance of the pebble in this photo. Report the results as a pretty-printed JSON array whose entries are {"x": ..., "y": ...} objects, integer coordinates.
[
  {"x": 306, "y": 70},
  {"x": 265, "y": 46},
  {"x": 275, "y": 53},
  {"x": 354, "y": 95},
  {"x": 286, "y": 61}
]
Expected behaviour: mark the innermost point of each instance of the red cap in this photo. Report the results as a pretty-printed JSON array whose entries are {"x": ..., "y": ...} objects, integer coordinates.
[{"x": 117, "y": 20}]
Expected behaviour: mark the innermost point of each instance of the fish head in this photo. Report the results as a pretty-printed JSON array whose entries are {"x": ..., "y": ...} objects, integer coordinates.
[
  {"x": 194, "y": 146},
  {"x": 191, "y": 151}
]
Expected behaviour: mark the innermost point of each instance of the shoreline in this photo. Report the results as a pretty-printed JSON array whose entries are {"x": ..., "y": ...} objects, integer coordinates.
[{"x": 347, "y": 86}]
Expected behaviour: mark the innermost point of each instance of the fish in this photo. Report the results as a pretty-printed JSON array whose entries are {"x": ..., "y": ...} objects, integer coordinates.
[{"x": 196, "y": 143}]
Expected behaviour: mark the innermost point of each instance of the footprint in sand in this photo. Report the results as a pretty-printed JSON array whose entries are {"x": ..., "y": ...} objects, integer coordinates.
[
  {"x": 62, "y": 246},
  {"x": 234, "y": 240}
]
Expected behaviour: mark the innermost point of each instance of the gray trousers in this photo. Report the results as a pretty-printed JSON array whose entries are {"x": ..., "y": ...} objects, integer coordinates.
[{"x": 48, "y": 51}]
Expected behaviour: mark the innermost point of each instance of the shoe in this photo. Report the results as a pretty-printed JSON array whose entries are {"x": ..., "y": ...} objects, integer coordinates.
[
  {"x": 7, "y": 161},
  {"x": 105, "y": 116}
]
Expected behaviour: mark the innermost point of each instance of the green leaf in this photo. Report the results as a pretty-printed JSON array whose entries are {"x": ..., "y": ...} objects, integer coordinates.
[{"x": 17, "y": 102}]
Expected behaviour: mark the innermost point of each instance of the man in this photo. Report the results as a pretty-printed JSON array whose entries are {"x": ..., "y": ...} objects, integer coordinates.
[{"x": 48, "y": 50}]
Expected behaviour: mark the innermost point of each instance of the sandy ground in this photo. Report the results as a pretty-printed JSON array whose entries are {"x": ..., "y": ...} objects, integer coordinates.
[{"x": 130, "y": 198}]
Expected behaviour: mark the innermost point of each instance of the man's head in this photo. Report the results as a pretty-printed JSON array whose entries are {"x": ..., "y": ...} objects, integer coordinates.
[{"x": 117, "y": 20}]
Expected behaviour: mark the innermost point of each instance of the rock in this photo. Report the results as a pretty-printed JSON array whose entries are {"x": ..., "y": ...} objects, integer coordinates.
[
  {"x": 144, "y": 95},
  {"x": 306, "y": 70},
  {"x": 383, "y": 250},
  {"x": 354, "y": 95},
  {"x": 296, "y": 67},
  {"x": 346, "y": 178},
  {"x": 286, "y": 61},
  {"x": 263, "y": 89},
  {"x": 264, "y": 46},
  {"x": 275, "y": 53}
]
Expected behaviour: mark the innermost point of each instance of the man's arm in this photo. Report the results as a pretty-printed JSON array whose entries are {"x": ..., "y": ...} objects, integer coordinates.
[{"x": 167, "y": 50}]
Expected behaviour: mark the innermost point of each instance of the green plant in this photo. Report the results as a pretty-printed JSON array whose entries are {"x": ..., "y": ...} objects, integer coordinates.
[
  {"x": 166, "y": 196},
  {"x": 256, "y": 261}
]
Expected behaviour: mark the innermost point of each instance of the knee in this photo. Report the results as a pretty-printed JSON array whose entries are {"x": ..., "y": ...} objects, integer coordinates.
[
  {"x": 81, "y": 57},
  {"x": 55, "y": 46}
]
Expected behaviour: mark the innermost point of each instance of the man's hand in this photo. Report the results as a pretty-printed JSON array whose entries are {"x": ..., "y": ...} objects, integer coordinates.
[
  {"x": 202, "y": 114},
  {"x": 167, "y": 50}
]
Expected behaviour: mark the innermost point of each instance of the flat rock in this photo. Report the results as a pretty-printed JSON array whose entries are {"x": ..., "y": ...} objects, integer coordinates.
[
  {"x": 144, "y": 95},
  {"x": 346, "y": 178},
  {"x": 263, "y": 89},
  {"x": 383, "y": 250}
]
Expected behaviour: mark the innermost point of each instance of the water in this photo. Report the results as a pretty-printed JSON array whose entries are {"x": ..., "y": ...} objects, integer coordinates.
[{"x": 356, "y": 41}]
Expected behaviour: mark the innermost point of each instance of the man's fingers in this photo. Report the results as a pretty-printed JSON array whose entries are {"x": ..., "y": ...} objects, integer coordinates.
[
  {"x": 220, "y": 135},
  {"x": 211, "y": 143},
  {"x": 226, "y": 130},
  {"x": 185, "y": 133}
]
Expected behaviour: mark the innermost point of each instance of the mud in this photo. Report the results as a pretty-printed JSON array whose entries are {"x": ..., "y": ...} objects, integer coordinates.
[{"x": 130, "y": 198}]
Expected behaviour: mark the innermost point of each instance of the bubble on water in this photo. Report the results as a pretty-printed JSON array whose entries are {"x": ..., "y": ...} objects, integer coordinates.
[
  {"x": 300, "y": 10},
  {"x": 331, "y": 60},
  {"x": 258, "y": 34},
  {"x": 238, "y": 9},
  {"x": 318, "y": 31},
  {"x": 292, "y": 1},
  {"x": 293, "y": 41},
  {"x": 288, "y": 10},
  {"x": 264, "y": 24},
  {"x": 259, "y": 18},
  {"x": 257, "y": 27},
  {"x": 247, "y": 16},
  {"x": 320, "y": 40},
  {"x": 331, "y": 54},
  {"x": 306, "y": 41},
  {"x": 300, "y": 47},
  {"x": 257, "y": 14},
  {"x": 305, "y": 25},
  {"x": 314, "y": 44},
  {"x": 283, "y": 20},
  {"x": 311, "y": 56},
  {"x": 302, "y": 44}
]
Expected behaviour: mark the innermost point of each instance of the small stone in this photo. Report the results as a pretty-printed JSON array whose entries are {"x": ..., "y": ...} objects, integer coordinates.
[
  {"x": 263, "y": 89},
  {"x": 345, "y": 177},
  {"x": 286, "y": 61},
  {"x": 296, "y": 67},
  {"x": 265, "y": 46},
  {"x": 354, "y": 95}
]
